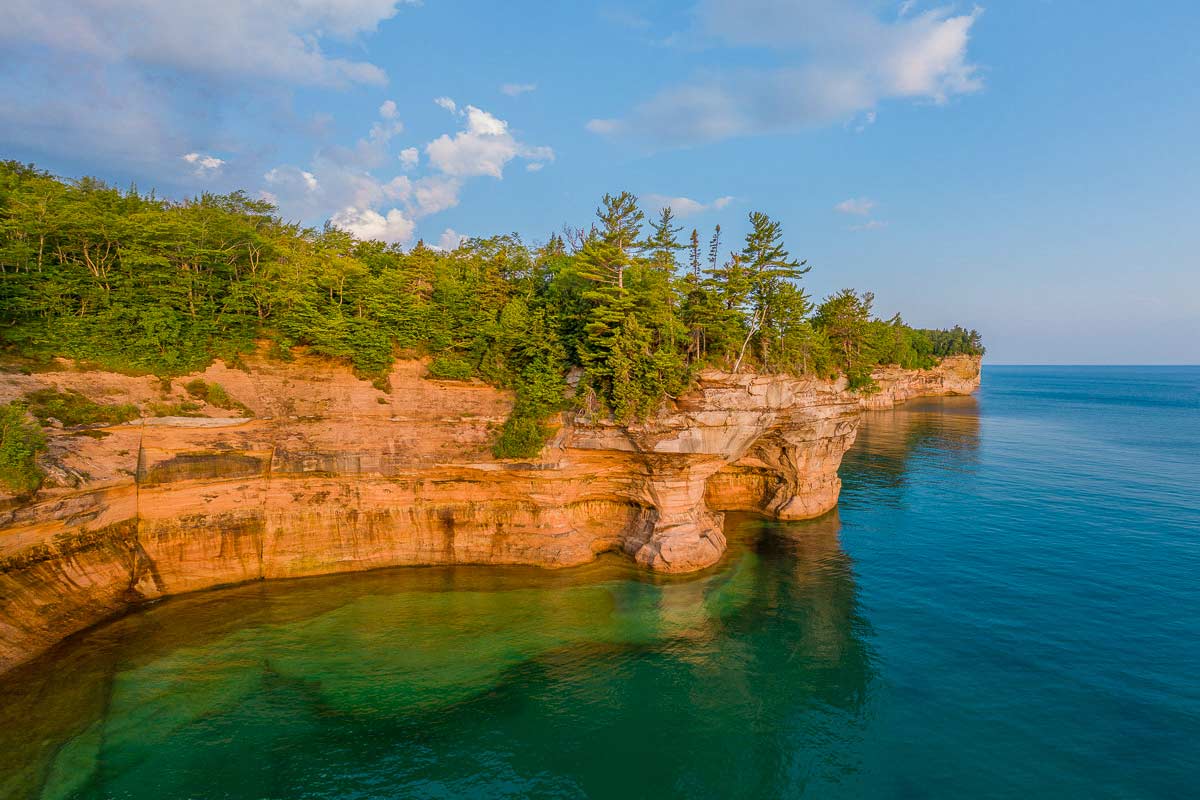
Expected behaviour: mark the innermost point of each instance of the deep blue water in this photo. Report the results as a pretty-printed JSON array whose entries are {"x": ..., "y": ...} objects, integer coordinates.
[{"x": 1006, "y": 604}]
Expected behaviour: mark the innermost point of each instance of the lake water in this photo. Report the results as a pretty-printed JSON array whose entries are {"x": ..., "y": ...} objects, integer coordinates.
[{"x": 1006, "y": 604}]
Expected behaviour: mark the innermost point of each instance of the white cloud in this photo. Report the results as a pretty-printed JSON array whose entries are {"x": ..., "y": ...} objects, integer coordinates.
[
  {"x": 484, "y": 148},
  {"x": 204, "y": 164},
  {"x": 284, "y": 178},
  {"x": 869, "y": 225},
  {"x": 229, "y": 38},
  {"x": 514, "y": 89},
  {"x": 447, "y": 103},
  {"x": 394, "y": 227},
  {"x": 603, "y": 126},
  {"x": 388, "y": 109},
  {"x": 329, "y": 184},
  {"x": 450, "y": 240},
  {"x": 535, "y": 166},
  {"x": 382, "y": 132},
  {"x": 435, "y": 193},
  {"x": 855, "y": 205},
  {"x": 169, "y": 73},
  {"x": 838, "y": 59},
  {"x": 684, "y": 206},
  {"x": 398, "y": 188},
  {"x": 906, "y": 7},
  {"x": 865, "y": 121},
  {"x": 352, "y": 179}
]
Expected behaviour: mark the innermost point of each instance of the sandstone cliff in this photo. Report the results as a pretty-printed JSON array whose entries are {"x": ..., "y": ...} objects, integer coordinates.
[{"x": 330, "y": 474}]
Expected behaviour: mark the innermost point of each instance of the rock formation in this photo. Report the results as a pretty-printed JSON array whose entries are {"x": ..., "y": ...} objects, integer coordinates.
[{"x": 332, "y": 475}]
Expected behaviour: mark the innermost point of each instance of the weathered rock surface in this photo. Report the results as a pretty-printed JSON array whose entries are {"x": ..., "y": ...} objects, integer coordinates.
[{"x": 334, "y": 475}]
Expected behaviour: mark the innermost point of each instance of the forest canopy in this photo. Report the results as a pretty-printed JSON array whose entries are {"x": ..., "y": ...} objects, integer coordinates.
[{"x": 136, "y": 283}]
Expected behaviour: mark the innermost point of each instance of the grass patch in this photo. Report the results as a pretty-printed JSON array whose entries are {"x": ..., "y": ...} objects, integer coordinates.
[
  {"x": 72, "y": 408},
  {"x": 215, "y": 395},
  {"x": 185, "y": 409}
]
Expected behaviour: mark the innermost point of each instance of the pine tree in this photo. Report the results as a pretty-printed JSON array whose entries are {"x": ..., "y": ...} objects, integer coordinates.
[
  {"x": 768, "y": 266},
  {"x": 694, "y": 255},
  {"x": 663, "y": 243},
  {"x": 714, "y": 248}
]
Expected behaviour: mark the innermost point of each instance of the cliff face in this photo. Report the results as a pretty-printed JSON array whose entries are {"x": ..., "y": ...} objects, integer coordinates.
[
  {"x": 954, "y": 375},
  {"x": 333, "y": 475}
]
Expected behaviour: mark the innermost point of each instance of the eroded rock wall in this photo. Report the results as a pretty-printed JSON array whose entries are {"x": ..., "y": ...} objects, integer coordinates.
[
  {"x": 955, "y": 375},
  {"x": 333, "y": 475}
]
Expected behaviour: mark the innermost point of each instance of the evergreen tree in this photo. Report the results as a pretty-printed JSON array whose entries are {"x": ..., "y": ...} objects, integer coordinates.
[
  {"x": 845, "y": 319},
  {"x": 211, "y": 276},
  {"x": 663, "y": 243},
  {"x": 608, "y": 254},
  {"x": 694, "y": 255},
  {"x": 714, "y": 249},
  {"x": 767, "y": 268}
]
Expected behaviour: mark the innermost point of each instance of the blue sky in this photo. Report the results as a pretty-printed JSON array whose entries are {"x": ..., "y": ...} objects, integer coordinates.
[{"x": 1026, "y": 168}]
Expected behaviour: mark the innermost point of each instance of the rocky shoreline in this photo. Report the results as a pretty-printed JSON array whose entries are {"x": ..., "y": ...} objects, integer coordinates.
[{"x": 331, "y": 474}]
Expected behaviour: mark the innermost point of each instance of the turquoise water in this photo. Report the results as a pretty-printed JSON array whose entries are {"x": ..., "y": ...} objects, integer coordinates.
[{"x": 1006, "y": 604}]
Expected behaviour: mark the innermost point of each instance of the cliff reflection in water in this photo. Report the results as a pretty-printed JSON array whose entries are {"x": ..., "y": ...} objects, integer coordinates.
[
  {"x": 748, "y": 680},
  {"x": 754, "y": 679},
  {"x": 876, "y": 467}
]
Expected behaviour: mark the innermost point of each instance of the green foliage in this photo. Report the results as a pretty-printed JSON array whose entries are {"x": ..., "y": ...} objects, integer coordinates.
[
  {"x": 532, "y": 361},
  {"x": 449, "y": 368},
  {"x": 539, "y": 394},
  {"x": 183, "y": 409},
  {"x": 953, "y": 342},
  {"x": 20, "y": 443},
  {"x": 845, "y": 320},
  {"x": 72, "y": 408},
  {"x": 214, "y": 394},
  {"x": 215, "y": 275}
]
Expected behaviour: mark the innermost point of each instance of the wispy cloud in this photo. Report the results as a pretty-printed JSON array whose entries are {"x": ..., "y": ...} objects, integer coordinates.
[
  {"x": 684, "y": 206},
  {"x": 514, "y": 89},
  {"x": 203, "y": 163},
  {"x": 603, "y": 126},
  {"x": 838, "y": 59},
  {"x": 274, "y": 40},
  {"x": 855, "y": 205},
  {"x": 164, "y": 71},
  {"x": 624, "y": 18}
]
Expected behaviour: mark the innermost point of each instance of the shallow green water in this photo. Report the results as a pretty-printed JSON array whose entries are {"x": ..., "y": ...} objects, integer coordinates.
[{"x": 1006, "y": 604}]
